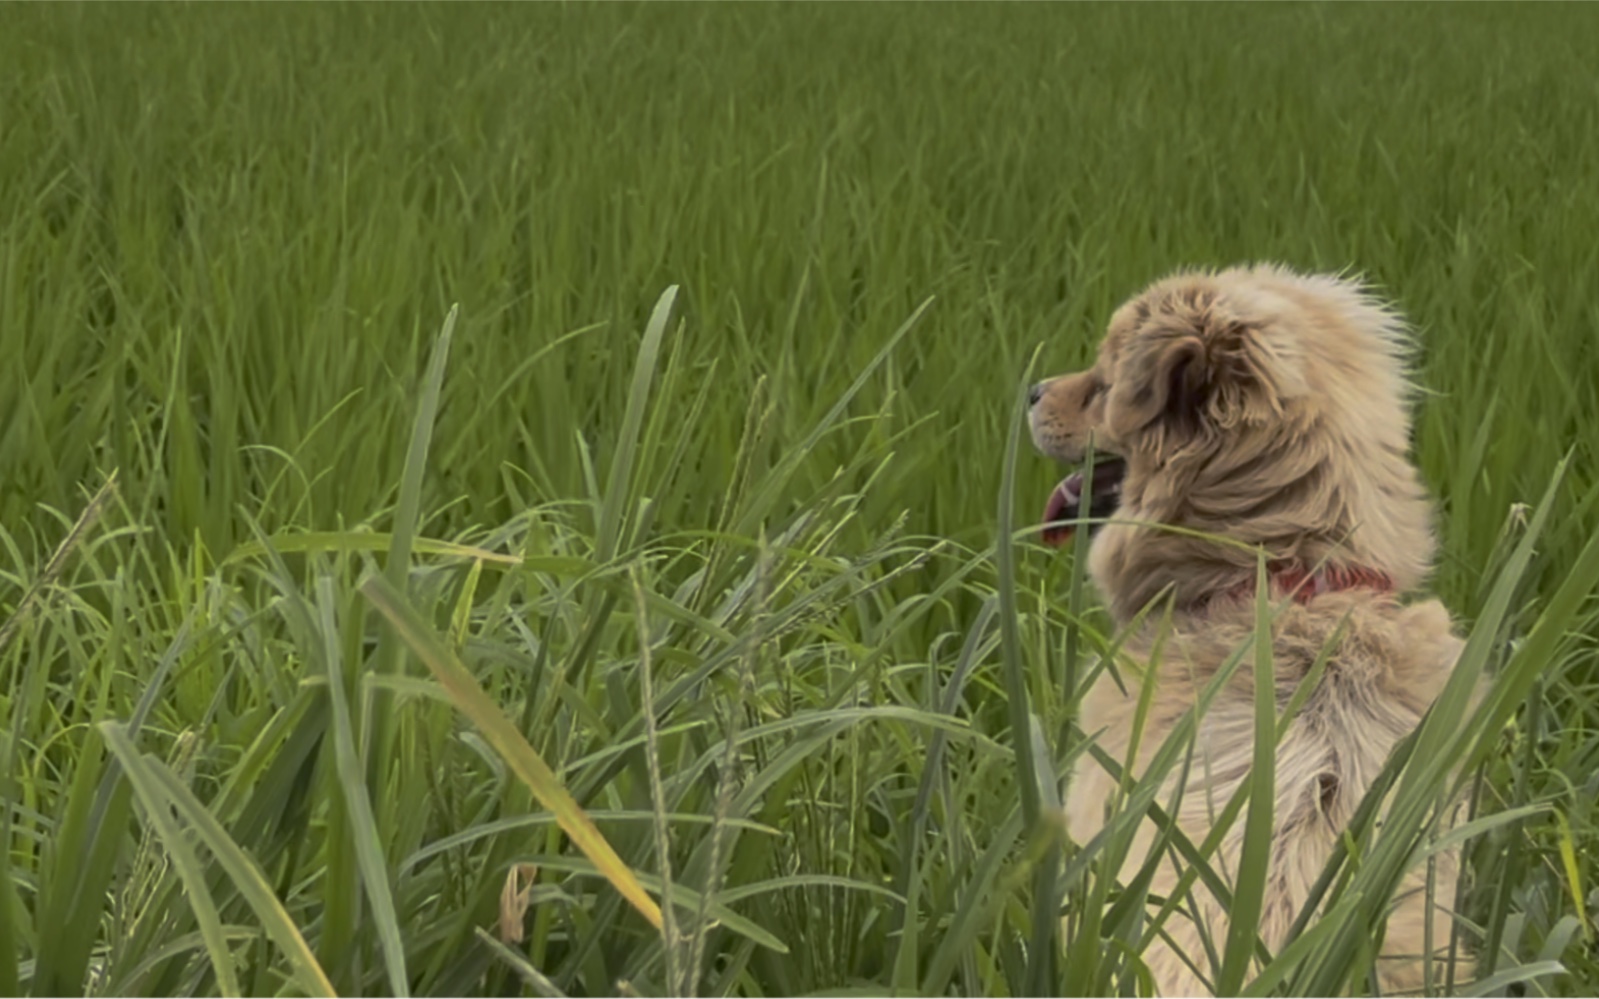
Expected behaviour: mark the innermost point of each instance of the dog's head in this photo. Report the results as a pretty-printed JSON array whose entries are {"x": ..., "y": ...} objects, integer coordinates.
[{"x": 1253, "y": 404}]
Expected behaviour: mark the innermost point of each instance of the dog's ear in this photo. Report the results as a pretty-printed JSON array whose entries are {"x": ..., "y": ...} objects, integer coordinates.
[
  {"x": 1253, "y": 373},
  {"x": 1204, "y": 377},
  {"x": 1168, "y": 381}
]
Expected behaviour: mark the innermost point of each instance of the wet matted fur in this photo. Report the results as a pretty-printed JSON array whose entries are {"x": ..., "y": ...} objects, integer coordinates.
[{"x": 1268, "y": 408}]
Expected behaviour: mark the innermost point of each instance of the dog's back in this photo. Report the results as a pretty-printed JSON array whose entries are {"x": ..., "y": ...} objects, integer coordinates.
[{"x": 1387, "y": 665}]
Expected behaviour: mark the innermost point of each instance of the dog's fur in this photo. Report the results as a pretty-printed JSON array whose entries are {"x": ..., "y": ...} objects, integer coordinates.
[{"x": 1269, "y": 408}]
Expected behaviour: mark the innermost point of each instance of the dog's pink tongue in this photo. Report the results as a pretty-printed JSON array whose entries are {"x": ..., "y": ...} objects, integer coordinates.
[{"x": 1062, "y": 504}]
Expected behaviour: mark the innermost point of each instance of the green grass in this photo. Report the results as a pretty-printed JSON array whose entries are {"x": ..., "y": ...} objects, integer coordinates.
[{"x": 229, "y": 241}]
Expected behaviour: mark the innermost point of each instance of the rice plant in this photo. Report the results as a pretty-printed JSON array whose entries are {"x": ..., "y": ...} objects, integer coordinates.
[{"x": 404, "y": 590}]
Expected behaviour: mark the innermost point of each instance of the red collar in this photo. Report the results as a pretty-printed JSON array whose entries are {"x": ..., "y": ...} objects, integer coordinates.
[{"x": 1293, "y": 579}]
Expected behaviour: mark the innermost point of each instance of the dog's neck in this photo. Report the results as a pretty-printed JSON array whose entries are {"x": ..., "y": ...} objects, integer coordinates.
[
  {"x": 1133, "y": 566},
  {"x": 1302, "y": 584},
  {"x": 1365, "y": 535}
]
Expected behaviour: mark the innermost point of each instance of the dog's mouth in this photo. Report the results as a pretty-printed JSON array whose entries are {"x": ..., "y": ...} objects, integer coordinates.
[{"x": 1067, "y": 506}]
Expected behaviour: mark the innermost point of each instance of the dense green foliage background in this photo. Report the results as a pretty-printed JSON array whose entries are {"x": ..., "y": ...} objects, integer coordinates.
[{"x": 229, "y": 237}]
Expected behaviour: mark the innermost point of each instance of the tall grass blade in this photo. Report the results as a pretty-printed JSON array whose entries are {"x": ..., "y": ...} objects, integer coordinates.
[
  {"x": 982, "y": 894},
  {"x": 1500, "y": 982},
  {"x": 408, "y": 506},
  {"x": 1254, "y": 862},
  {"x": 607, "y": 535},
  {"x": 534, "y": 978},
  {"x": 10, "y": 931},
  {"x": 652, "y": 753},
  {"x": 378, "y": 730},
  {"x": 178, "y": 947},
  {"x": 910, "y": 876},
  {"x": 1043, "y": 949},
  {"x": 502, "y": 734},
  {"x": 158, "y": 811},
  {"x": 161, "y": 790},
  {"x": 85, "y": 860},
  {"x": 367, "y": 841},
  {"x": 82, "y": 883}
]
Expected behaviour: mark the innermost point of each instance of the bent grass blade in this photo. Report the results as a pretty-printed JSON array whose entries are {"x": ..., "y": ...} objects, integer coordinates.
[{"x": 160, "y": 790}]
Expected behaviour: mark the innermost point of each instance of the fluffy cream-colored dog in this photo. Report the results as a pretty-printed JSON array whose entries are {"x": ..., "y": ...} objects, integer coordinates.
[{"x": 1268, "y": 408}]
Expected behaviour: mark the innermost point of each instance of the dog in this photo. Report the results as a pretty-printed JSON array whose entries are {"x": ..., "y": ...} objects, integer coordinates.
[{"x": 1232, "y": 413}]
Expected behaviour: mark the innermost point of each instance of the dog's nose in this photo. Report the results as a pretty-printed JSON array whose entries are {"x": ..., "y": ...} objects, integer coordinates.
[{"x": 1035, "y": 393}]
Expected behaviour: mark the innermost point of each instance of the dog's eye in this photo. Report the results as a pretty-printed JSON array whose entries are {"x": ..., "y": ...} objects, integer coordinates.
[{"x": 1096, "y": 388}]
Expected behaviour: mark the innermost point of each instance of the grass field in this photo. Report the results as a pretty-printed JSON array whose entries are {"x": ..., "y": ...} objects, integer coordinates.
[{"x": 731, "y": 570}]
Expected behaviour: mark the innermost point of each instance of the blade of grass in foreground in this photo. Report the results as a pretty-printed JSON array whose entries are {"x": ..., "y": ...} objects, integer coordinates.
[
  {"x": 607, "y": 539},
  {"x": 161, "y": 790},
  {"x": 158, "y": 811},
  {"x": 652, "y": 755},
  {"x": 911, "y": 873},
  {"x": 407, "y": 512},
  {"x": 1499, "y": 982},
  {"x": 9, "y": 903},
  {"x": 409, "y": 506},
  {"x": 78, "y": 894},
  {"x": 1044, "y": 947},
  {"x": 1250, "y": 886},
  {"x": 532, "y": 976},
  {"x": 79, "y": 884},
  {"x": 502, "y": 734},
  {"x": 367, "y": 843},
  {"x": 175, "y": 948},
  {"x": 975, "y": 903}
]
